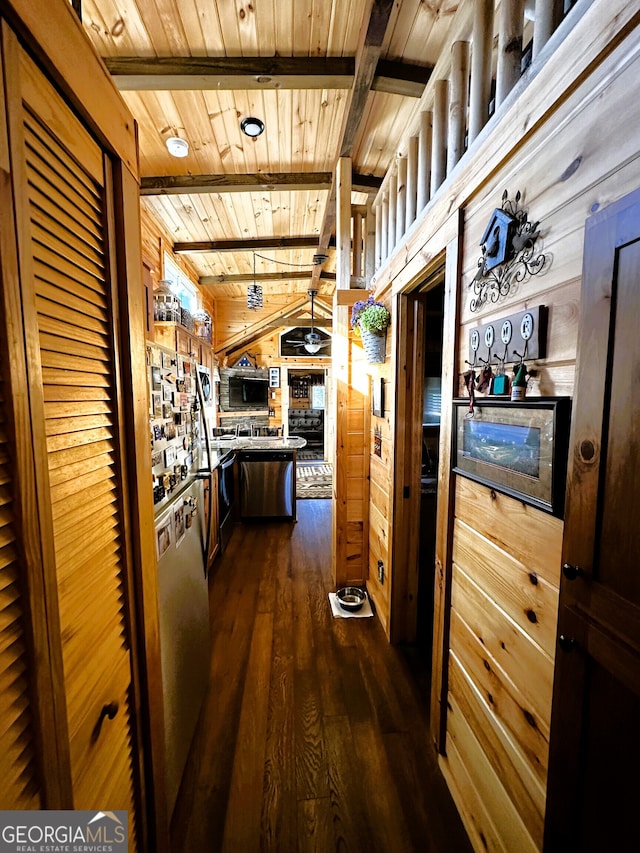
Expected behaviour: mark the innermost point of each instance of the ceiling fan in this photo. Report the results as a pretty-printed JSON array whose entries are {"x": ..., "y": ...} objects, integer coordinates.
[{"x": 312, "y": 342}]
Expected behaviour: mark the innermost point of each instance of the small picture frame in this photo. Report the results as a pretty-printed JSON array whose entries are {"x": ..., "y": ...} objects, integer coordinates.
[
  {"x": 169, "y": 456},
  {"x": 274, "y": 377},
  {"x": 166, "y": 360},
  {"x": 156, "y": 403},
  {"x": 163, "y": 537},
  {"x": 178, "y": 524},
  {"x": 156, "y": 378},
  {"x": 377, "y": 396}
]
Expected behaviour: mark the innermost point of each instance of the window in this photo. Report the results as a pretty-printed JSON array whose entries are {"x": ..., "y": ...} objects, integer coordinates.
[
  {"x": 317, "y": 397},
  {"x": 182, "y": 286}
]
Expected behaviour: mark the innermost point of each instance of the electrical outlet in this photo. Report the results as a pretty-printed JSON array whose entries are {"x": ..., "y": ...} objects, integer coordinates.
[{"x": 380, "y": 571}]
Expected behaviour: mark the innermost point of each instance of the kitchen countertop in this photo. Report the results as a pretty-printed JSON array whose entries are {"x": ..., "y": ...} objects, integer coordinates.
[
  {"x": 219, "y": 450},
  {"x": 221, "y": 446}
]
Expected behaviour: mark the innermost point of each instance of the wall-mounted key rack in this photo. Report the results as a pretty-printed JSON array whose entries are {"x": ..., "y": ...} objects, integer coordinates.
[{"x": 516, "y": 337}]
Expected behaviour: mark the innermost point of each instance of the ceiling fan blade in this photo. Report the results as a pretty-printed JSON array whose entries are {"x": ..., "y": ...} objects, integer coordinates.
[{"x": 312, "y": 340}]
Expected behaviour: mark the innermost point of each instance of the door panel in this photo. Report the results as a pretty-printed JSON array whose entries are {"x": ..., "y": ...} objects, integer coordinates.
[
  {"x": 595, "y": 742},
  {"x": 621, "y": 488},
  {"x": 18, "y": 767},
  {"x": 68, "y": 305}
]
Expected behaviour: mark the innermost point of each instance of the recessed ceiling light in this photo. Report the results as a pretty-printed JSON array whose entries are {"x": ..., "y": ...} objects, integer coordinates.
[
  {"x": 177, "y": 147},
  {"x": 252, "y": 126}
]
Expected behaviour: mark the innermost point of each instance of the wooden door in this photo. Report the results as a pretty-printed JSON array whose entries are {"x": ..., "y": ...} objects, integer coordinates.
[
  {"x": 593, "y": 788},
  {"x": 69, "y": 310},
  {"x": 19, "y": 770}
]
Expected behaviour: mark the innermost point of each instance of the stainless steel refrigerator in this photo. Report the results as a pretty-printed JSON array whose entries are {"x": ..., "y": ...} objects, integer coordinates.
[
  {"x": 177, "y": 431},
  {"x": 184, "y": 626}
]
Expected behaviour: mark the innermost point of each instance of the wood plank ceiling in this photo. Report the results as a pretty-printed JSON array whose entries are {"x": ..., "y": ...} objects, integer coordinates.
[{"x": 326, "y": 77}]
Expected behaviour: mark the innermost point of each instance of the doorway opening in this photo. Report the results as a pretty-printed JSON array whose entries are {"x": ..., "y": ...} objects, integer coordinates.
[
  {"x": 418, "y": 407},
  {"x": 307, "y": 412},
  {"x": 431, "y": 409}
]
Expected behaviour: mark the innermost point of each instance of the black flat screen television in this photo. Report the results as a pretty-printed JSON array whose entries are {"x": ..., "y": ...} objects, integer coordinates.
[{"x": 246, "y": 393}]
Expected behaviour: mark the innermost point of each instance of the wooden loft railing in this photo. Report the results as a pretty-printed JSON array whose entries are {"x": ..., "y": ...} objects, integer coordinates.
[{"x": 458, "y": 103}]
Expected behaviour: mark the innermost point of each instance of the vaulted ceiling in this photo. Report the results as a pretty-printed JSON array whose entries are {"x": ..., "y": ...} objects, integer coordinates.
[{"x": 327, "y": 78}]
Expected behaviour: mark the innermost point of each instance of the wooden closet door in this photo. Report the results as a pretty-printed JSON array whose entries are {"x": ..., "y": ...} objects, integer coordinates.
[
  {"x": 595, "y": 738},
  {"x": 73, "y": 381},
  {"x": 18, "y": 766}
]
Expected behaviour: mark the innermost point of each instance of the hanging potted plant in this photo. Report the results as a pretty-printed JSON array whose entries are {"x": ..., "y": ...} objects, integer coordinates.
[{"x": 370, "y": 319}]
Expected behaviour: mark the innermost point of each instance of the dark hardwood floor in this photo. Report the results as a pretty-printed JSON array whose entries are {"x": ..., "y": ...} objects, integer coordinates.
[{"x": 314, "y": 735}]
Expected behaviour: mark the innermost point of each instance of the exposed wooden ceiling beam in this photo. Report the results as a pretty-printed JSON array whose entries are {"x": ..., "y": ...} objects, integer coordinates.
[
  {"x": 308, "y": 242},
  {"x": 260, "y": 328},
  {"x": 324, "y": 307},
  {"x": 366, "y": 63},
  {"x": 188, "y": 73},
  {"x": 258, "y": 182},
  {"x": 230, "y": 72},
  {"x": 400, "y": 78},
  {"x": 370, "y": 47},
  {"x": 262, "y": 277},
  {"x": 302, "y": 321}
]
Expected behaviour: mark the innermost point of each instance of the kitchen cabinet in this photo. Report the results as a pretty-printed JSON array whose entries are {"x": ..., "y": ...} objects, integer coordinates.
[{"x": 176, "y": 337}]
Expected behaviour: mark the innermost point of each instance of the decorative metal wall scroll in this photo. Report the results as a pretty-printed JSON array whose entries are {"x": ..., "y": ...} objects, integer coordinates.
[{"x": 508, "y": 253}]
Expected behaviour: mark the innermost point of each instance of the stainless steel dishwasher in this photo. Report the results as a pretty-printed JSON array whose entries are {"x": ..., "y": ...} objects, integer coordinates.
[{"x": 267, "y": 484}]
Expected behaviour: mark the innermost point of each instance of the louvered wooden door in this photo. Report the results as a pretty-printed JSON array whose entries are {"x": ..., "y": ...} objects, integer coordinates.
[
  {"x": 73, "y": 391},
  {"x": 18, "y": 766}
]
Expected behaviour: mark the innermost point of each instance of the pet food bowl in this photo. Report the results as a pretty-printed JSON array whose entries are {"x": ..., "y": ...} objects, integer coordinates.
[{"x": 351, "y": 598}]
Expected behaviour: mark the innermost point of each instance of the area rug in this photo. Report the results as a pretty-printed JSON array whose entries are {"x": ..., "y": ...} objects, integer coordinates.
[{"x": 313, "y": 481}]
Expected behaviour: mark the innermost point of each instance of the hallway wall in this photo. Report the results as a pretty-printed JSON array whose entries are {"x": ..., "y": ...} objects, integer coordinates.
[{"x": 569, "y": 145}]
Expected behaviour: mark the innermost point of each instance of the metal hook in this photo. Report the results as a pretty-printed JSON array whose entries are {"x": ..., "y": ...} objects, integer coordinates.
[{"x": 524, "y": 354}]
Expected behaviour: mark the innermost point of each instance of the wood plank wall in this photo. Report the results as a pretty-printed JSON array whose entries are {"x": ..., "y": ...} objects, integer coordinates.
[
  {"x": 351, "y": 471},
  {"x": 580, "y": 157},
  {"x": 155, "y": 242},
  {"x": 506, "y": 556},
  {"x": 380, "y": 488}
]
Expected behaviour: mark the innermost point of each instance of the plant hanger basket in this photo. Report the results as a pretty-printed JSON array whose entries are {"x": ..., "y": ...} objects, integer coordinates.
[
  {"x": 375, "y": 345},
  {"x": 370, "y": 319}
]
